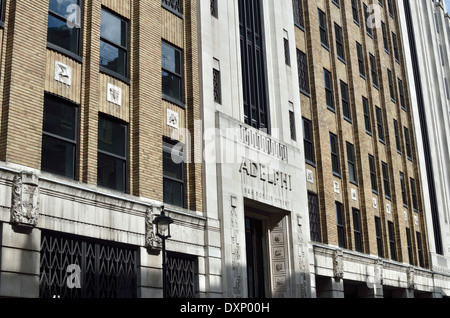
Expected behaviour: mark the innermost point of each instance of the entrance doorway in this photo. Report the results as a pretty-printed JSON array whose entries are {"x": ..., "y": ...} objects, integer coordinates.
[{"x": 254, "y": 239}]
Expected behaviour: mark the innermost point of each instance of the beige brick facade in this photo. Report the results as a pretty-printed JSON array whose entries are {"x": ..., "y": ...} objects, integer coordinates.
[
  {"x": 326, "y": 121},
  {"x": 24, "y": 84}
]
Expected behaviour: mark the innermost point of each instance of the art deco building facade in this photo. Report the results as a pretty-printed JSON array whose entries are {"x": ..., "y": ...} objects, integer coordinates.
[
  {"x": 280, "y": 136},
  {"x": 426, "y": 29},
  {"x": 93, "y": 96}
]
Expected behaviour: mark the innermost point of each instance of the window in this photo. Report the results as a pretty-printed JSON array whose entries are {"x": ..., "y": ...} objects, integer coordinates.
[
  {"x": 292, "y": 125},
  {"x": 359, "y": 52},
  {"x": 401, "y": 93},
  {"x": 340, "y": 221},
  {"x": 2, "y": 12},
  {"x": 373, "y": 70},
  {"x": 408, "y": 143},
  {"x": 414, "y": 194},
  {"x": 173, "y": 174},
  {"x": 112, "y": 154},
  {"x": 314, "y": 218},
  {"x": 379, "y": 236},
  {"x": 213, "y": 8},
  {"x": 420, "y": 249},
  {"x": 175, "y": 6},
  {"x": 392, "y": 245},
  {"x": 254, "y": 77},
  {"x": 390, "y": 8},
  {"x": 357, "y": 230},
  {"x": 114, "y": 45},
  {"x": 380, "y": 124},
  {"x": 308, "y": 141},
  {"x": 328, "y": 89},
  {"x": 385, "y": 39},
  {"x": 397, "y": 137},
  {"x": 345, "y": 102},
  {"x": 335, "y": 155},
  {"x": 366, "y": 19},
  {"x": 217, "y": 86},
  {"x": 386, "y": 183},
  {"x": 391, "y": 85},
  {"x": 298, "y": 13},
  {"x": 355, "y": 11},
  {"x": 351, "y": 163},
  {"x": 59, "y": 137},
  {"x": 373, "y": 174},
  {"x": 336, "y": 2},
  {"x": 409, "y": 246},
  {"x": 303, "y": 78},
  {"x": 339, "y": 42},
  {"x": 287, "y": 55},
  {"x": 323, "y": 28},
  {"x": 172, "y": 73},
  {"x": 395, "y": 46},
  {"x": 366, "y": 110},
  {"x": 403, "y": 188},
  {"x": 59, "y": 35}
]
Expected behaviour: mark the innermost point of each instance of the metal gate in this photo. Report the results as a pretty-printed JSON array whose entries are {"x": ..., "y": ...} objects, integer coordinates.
[
  {"x": 76, "y": 267},
  {"x": 182, "y": 276}
]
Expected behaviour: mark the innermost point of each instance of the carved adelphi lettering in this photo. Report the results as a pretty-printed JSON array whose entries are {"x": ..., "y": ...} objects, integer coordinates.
[{"x": 266, "y": 174}]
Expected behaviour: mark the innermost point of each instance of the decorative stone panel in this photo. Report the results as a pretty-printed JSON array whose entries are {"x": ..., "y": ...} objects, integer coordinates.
[{"x": 25, "y": 200}]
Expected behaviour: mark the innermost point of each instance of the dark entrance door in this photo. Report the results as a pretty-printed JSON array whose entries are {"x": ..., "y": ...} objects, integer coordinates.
[{"x": 255, "y": 258}]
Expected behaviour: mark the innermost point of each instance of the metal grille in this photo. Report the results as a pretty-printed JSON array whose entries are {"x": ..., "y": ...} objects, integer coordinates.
[
  {"x": 217, "y": 86},
  {"x": 173, "y": 5},
  {"x": 181, "y": 276},
  {"x": 106, "y": 270},
  {"x": 314, "y": 219}
]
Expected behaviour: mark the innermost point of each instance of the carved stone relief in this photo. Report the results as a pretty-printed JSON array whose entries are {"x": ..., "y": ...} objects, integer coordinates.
[
  {"x": 338, "y": 264},
  {"x": 25, "y": 200},
  {"x": 152, "y": 241}
]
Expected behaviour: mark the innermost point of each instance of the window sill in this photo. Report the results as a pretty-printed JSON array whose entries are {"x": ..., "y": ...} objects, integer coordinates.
[
  {"x": 331, "y": 109},
  {"x": 354, "y": 182},
  {"x": 311, "y": 163},
  {"x": 65, "y": 52},
  {"x": 341, "y": 59},
  {"x": 173, "y": 101},
  {"x": 349, "y": 120},
  {"x": 305, "y": 93},
  {"x": 118, "y": 76},
  {"x": 337, "y": 175}
]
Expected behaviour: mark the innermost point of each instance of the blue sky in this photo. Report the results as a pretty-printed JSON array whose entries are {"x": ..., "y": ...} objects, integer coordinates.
[{"x": 447, "y": 4}]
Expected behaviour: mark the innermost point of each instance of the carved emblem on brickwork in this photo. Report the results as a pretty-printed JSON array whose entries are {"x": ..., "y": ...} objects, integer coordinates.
[
  {"x": 114, "y": 94},
  {"x": 172, "y": 119},
  {"x": 25, "y": 199},
  {"x": 338, "y": 264},
  {"x": 63, "y": 73},
  {"x": 152, "y": 241}
]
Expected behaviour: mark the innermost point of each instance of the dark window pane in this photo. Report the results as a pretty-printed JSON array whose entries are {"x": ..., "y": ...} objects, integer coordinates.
[
  {"x": 59, "y": 119},
  {"x": 113, "y": 29},
  {"x": 172, "y": 166},
  {"x": 58, "y": 156},
  {"x": 173, "y": 193},
  {"x": 111, "y": 137},
  {"x": 111, "y": 172},
  {"x": 61, "y": 35},
  {"x": 113, "y": 58},
  {"x": 61, "y": 7},
  {"x": 170, "y": 58},
  {"x": 171, "y": 85}
]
